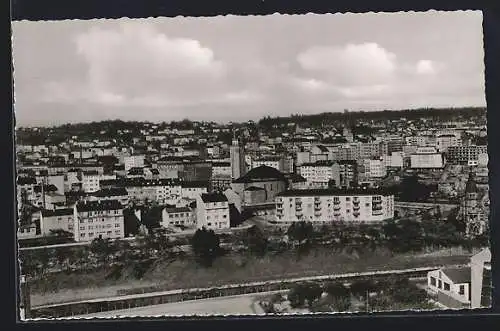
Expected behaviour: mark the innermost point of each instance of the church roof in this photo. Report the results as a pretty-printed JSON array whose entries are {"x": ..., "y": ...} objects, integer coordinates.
[{"x": 261, "y": 174}]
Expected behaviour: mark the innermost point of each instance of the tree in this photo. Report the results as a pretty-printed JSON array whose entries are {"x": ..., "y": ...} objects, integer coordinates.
[
  {"x": 102, "y": 249},
  {"x": 255, "y": 241},
  {"x": 300, "y": 232},
  {"x": 302, "y": 293},
  {"x": 206, "y": 246}
]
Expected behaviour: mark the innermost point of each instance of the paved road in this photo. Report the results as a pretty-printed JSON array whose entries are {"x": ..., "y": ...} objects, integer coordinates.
[{"x": 231, "y": 305}]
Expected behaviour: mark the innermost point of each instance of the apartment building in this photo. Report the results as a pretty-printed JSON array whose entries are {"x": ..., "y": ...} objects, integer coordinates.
[
  {"x": 212, "y": 211},
  {"x": 321, "y": 206},
  {"x": 190, "y": 190},
  {"x": 133, "y": 161},
  {"x": 276, "y": 162},
  {"x": 319, "y": 174},
  {"x": 182, "y": 216},
  {"x": 98, "y": 219},
  {"x": 466, "y": 154},
  {"x": 426, "y": 158}
]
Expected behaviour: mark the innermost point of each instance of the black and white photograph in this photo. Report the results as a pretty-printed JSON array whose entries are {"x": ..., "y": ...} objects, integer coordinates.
[{"x": 251, "y": 165}]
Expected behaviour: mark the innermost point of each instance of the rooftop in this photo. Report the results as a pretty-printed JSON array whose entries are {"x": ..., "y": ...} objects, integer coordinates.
[
  {"x": 213, "y": 197},
  {"x": 334, "y": 192},
  {"x": 57, "y": 212},
  {"x": 458, "y": 275},
  {"x": 99, "y": 205},
  {"x": 178, "y": 210},
  {"x": 109, "y": 192},
  {"x": 261, "y": 174}
]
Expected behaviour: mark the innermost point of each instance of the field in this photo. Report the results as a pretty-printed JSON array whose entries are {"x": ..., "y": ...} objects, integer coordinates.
[
  {"x": 234, "y": 305},
  {"x": 231, "y": 269}
]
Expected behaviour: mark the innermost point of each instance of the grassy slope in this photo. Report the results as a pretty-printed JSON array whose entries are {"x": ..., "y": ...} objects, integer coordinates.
[{"x": 226, "y": 270}]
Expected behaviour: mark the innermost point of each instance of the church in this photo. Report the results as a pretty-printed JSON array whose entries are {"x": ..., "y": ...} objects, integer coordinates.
[{"x": 474, "y": 208}]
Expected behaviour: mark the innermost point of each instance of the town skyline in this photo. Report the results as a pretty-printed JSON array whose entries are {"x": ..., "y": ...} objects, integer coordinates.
[
  {"x": 230, "y": 68},
  {"x": 243, "y": 121}
]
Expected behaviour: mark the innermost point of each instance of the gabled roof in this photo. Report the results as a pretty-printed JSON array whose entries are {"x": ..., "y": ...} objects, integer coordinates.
[
  {"x": 213, "y": 197},
  {"x": 458, "y": 275},
  {"x": 110, "y": 192},
  {"x": 178, "y": 210},
  {"x": 254, "y": 188},
  {"x": 334, "y": 192}
]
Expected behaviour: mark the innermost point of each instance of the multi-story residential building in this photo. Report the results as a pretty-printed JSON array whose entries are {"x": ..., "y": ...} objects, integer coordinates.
[
  {"x": 466, "y": 154},
  {"x": 90, "y": 181},
  {"x": 133, "y": 161},
  {"x": 212, "y": 211},
  {"x": 347, "y": 173},
  {"x": 237, "y": 156},
  {"x": 98, "y": 219},
  {"x": 374, "y": 168},
  {"x": 163, "y": 191},
  {"x": 26, "y": 190},
  {"x": 57, "y": 219},
  {"x": 446, "y": 140},
  {"x": 426, "y": 158},
  {"x": 270, "y": 179},
  {"x": 190, "y": 190},
  {"x": 319, "y": 174},
  {"x": 175, "y": 217},
  {"x": 323, "y": 206},
  {"x": 277, "y": 162},
  {"x": 196, "y": 170},
  {"x": 221, "y": 169}
]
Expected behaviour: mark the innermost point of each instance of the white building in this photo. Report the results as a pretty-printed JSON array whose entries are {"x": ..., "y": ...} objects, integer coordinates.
[
  {"x": 323, "y": 206},
  {"x": 445, "y": 140},
  {"x": 318, "y": 174},
  {"x": 58, "y": 219},
  {"x": 275, "y": 162},
  {"x": 183, "y": 216},
  {"x": 133, "y": 161},
  {"x": 451, "y": 285},
  {"x": 94, "y": 219},
  {"x": 426, "y": 158},
  {"x": 394, "y": 160},
  {"x": 375, "y": 168},
  {"x": 221, "y": 169},
  {"x": 212, "y": 211}
]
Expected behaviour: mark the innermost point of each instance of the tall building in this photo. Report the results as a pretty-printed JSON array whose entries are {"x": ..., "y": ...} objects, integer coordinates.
[
  {"x": 212, "y": 211},
  {"x": 237, "y": 155},
  {"x": 472, "y": 211}
]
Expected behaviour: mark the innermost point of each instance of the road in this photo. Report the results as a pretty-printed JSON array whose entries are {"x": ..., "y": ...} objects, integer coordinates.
[{"x": 232, "y": 305}]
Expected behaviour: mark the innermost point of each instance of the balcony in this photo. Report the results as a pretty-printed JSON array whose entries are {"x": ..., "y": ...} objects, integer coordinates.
[
  {"x": 336, "y": 208},
  {"x": 317, "y": 213},
  {"x": 298, "y": 208},
  {"x": 355, "y": 207}
]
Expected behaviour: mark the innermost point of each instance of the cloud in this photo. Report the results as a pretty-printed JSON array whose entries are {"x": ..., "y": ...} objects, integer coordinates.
[
  {"x": 353, "y": 64},
  {"x": 135, "y": 63},
  {"x": 425, "y": 67}
]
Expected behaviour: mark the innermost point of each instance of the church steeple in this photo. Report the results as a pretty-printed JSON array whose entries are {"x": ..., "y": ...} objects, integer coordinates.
[{"x": 471, "y": 186}]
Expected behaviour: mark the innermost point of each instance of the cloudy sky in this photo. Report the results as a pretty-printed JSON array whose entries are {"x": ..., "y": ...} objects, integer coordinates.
[{"x": 236, "y": 68}]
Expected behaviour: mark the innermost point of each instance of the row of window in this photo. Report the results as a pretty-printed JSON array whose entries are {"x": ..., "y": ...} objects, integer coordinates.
[
  {"x": 179, "y": 215},
  {"x": 446, "y": 286},
  {"x": 109, "y": 233},
  {"x": 90, "y": 220}
]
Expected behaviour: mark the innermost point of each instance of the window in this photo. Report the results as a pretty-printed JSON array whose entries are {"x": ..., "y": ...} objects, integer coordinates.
[
  {"x": 461, "y": 290},
  {"x": 109, "y": 232},
  {"x": 82, "y": 235},
  {"x": 91, "y": 234},
  {"x": 225, "y": 216},
  {"x": 440, "y": 284},
  {"x": 117, "y": 225},
  {"x": 82, "y": 228},
  {"x": 348, "y": 199},
  {"x": 90, "y": 227},
  {"x": 209, "y": 224},
  {"x": 433, "y": 281},
  {"x": 446, "y": 286}
]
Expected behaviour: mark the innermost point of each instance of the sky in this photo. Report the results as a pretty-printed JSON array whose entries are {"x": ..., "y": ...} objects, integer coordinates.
[{"x": 239, "y": 68}]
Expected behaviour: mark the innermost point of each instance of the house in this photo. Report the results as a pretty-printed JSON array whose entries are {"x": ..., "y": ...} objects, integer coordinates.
[
  {"x": 452, "y": 286},
  {"x": 212, "y": 211},
  {"x": 172, "y": 217},
  {"x": 57, "y": 219},
  {"x": 98, "y": 219}
]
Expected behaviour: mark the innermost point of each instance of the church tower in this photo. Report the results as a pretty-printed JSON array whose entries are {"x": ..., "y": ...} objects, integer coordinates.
[
  {"x": 472, "y": 211},
  {"x": 237, "y": 158}
]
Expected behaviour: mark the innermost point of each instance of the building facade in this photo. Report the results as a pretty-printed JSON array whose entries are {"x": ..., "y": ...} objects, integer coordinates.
[
  {"x": 237, "y": 159},
  {"x": 333, "y": 205},
  {"x": 98, "y": 219},
  {"x": 212, "y": 211}
]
